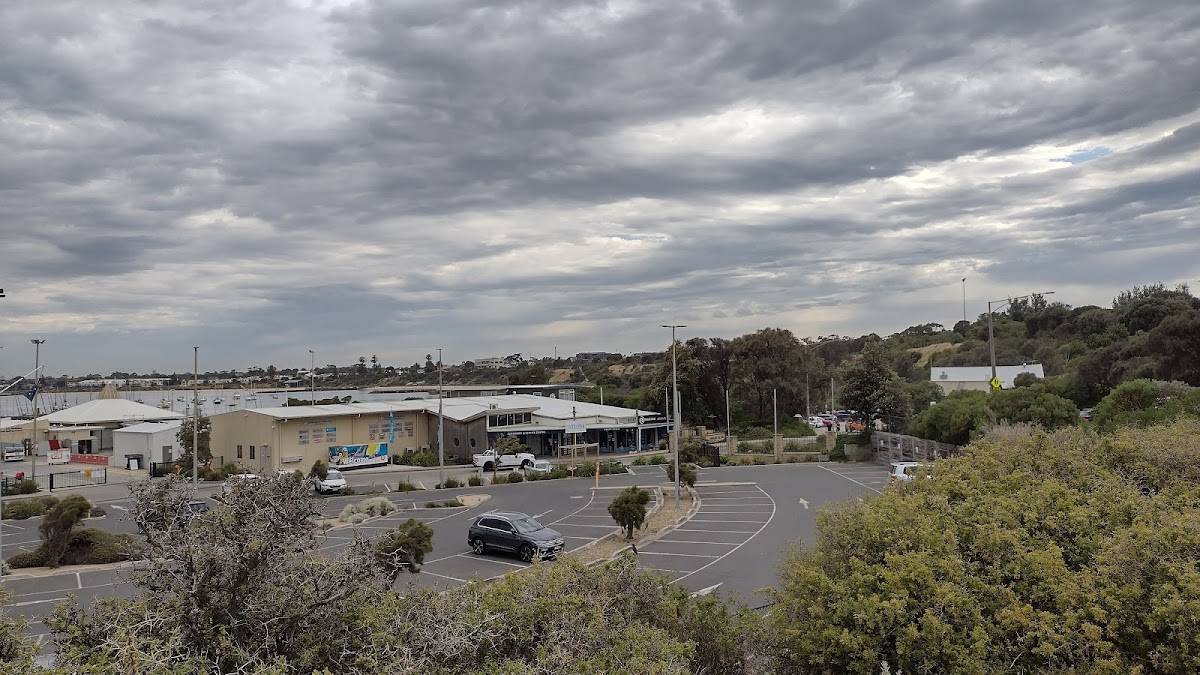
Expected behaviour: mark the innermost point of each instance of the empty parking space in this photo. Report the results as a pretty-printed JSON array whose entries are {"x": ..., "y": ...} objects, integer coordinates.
[
  {"x": 873, "y": 477},
  {"x": 729, "y": 516},
  {"x": 579, "y": 527}
]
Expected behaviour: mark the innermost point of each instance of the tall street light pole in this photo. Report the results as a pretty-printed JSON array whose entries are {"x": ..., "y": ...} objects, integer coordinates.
[
  {"x": 675, "y": 398},
  {"x": 37, "y": 384},
  {"x": 441, "y": 429},
  {"x": 195, "y": 415},
  {"x": 964, "y": 289},
  {"x": 312, "y": 376},
  {"x": 999, "y": 304}
]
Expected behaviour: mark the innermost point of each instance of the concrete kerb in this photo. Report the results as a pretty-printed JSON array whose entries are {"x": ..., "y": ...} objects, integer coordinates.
[
  {"x": 659, "y": 498},
  {"x": 45, "y": 572},
  {"x": 650, "y": 538}
]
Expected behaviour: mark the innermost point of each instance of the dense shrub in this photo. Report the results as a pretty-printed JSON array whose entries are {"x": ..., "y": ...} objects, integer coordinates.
[
  {"x": 57, "y": 526},
  {"x": 416, "y": 458},
  {"x": 657, "y": 459},
  {"x": 97, "y": 512},
  {"x": 515, "y": 477},
  {"x": 475, "y": 480},
  {"x": 450, "y": 483},
  {"x": 367, "y": 508},
  {"x": 555, "y": 472},
  {"x": 687, "y": 474},
  {"x": 640, "y": 461},
  {"x": 22, "y": 509},
  {"x": 1146, "y": 402},
  {"x": 319, "y": 470},
  {"x": 628, "y": 509},
  {"x": 405, "y": 486},
  {"x": 85, "y": 546},
  {"x": 24, "y": 486}
]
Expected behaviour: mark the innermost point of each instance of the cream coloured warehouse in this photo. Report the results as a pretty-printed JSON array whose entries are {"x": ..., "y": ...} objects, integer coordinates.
[{"x": 353, "y": 435}]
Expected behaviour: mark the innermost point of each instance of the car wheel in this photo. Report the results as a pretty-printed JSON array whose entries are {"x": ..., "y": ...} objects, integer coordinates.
[
  {"x": 525, "y": 464},
  {"x": 526, "y": 553},
  {"x": 478, "y": 546},
  {"x": 488, "y": 466}
]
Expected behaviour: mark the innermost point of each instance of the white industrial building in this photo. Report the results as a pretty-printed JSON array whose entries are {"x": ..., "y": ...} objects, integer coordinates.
[
  {"x": 147, "y": 442},
  {"x": 978, "y": 378}
]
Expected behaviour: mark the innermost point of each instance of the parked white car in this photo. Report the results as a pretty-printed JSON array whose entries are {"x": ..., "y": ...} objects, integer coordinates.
[
  {"x": 541, "y": 466},
  {"x": 904, "y": 472},
  {"x": 488, "y": 460},
  {"x": 333, "y": 482},
  {"x": 237, "y": 477}
]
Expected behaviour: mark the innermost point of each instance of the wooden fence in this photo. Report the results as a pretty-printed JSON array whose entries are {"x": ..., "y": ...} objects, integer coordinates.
[{"x": 891, "y": 447}]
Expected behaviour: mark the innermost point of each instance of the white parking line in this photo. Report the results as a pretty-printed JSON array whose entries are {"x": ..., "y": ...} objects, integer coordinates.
[
  {"x": 442, "y": 576},
  {"x": 682, "y": 555},
  {"x": 689, "y": 529},
  {"x": 756, "y": 522},
  {"x": 836, "y": 473},
  {"x": 472, "y": 556},
  {"x": 735, "y": 548},
  {"x": 688, "y": 541},
  {"x": 607, "y": 527}
]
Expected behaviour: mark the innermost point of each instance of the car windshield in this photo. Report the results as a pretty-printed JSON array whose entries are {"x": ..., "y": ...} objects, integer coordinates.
[
  {"x": 333, "y": 475},
  {"x": 527, "y": 525}
]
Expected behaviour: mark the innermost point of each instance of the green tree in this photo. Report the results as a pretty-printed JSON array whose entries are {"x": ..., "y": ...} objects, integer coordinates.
[
  {"x": 1175, "y": 345},
  {"x": 506, "y": 445},
  {"x": 766, "y": 360},
  {"x": 319, "y": 470},
  {"x": 872, "y": 389},
  {"x": 629, "y": 509},
  {"x": 404, "y": 548},
  {"x": 687, "y": 473},
  {"x": 954, "y": 419},
  {"x": 1144, "y": 402},
  {"x": 58, "y": 525},
  {"x": 184, "y": 436},
  {"x": 1035, "y": 552},
  {"x": 1034, "y": 405}
]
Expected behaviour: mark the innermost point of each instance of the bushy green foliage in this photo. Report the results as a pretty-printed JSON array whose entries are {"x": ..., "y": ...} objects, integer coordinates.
[
  {"x": 510, "y": 445},
  {"x": 405, "y": 486},
  {"x": 655, "y": 460},
  {"x": 629, "y": 509},
  {"x": 416, "y": 458},
  {"x": 963, "y": 414},
  {"x": 1145, "y": 402},
  {"x": 449, "y": 483},
  {"x": 515, "y": 477},
  {"x": 21, "y": 509},
  {"x": 687, "y": 474},
  {"x": 83, "y": 546},
  {"x": 1036, "y": 552},
  {"x": 319, "y": 470},
  {"x": 475, "y": 480},
  {"x": 640, "y": 461},
  {"x": 404, "y": 548},
  {"x": 367, "y": 508},
  {"x": 57, "y": 524},
  {"x": 24, "y": 486}
]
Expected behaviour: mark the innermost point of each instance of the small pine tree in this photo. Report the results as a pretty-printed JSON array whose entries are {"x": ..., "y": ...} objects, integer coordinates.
[{"x": 629, "y": 509}]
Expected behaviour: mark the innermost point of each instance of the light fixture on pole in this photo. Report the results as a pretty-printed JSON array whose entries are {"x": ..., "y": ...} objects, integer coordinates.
[
  {"x": 998, "y": 304},
  {"x": 37, "y": 382},
  {"x": 964, "y": 289},
  {"x": 195, "y": 414},
  {"x": 312, "y": 376},
  {"x": 675, "y": 400},
  {"x": 441, "y": 431}
]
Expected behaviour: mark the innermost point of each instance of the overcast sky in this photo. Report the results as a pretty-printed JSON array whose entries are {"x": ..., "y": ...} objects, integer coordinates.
[{"x": 265, "y": 177}]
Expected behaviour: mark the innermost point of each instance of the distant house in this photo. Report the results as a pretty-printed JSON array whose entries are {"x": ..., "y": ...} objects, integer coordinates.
[{"x": 977, "y": 378}]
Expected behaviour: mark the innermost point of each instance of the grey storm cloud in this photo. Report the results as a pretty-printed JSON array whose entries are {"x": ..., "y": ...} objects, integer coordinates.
[{"x": 383, "y": 177}]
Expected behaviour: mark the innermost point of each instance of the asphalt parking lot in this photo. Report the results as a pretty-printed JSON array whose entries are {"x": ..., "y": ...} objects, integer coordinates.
[{"x": 748, "y": 519}]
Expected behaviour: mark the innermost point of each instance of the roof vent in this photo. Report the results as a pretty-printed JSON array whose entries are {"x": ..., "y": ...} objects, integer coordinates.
[{"x": 943, "y": 376}]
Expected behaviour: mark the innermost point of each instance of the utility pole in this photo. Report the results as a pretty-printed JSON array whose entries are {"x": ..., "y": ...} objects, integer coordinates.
[
  {"x": 831, "y": 408},
  {"x": 807, "y": 407},
  {"x": 675, "y": 420},
  {"x": 37, "y": 384},
  {"x": 964, "y": 289},
  {"x": 775, "y": 408},
  {"x": 601, "y": 394},
  {"x": 195, "y": 414},
  {"x": 312, "y": 376},
  {"x": 991, "y": 336},
  {"x": 441, "y": 428},
  {"x": 728, "y": 420}
]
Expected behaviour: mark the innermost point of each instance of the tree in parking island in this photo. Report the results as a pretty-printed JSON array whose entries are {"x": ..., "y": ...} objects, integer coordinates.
[{"x": 629, "y": 509}]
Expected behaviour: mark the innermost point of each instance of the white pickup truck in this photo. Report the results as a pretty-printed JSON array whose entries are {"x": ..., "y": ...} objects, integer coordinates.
[{"x": 488, "y": 460}]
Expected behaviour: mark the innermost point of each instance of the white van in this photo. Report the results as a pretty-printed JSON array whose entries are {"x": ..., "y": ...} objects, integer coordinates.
[{"x": 906, "y": 471}]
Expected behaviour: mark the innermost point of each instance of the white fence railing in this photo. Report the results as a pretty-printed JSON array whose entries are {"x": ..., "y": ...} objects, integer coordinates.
[{"x": 891, "y": 447}]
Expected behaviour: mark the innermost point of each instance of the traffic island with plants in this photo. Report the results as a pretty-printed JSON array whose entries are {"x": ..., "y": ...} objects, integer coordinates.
[
  {"x": 658, "y": 519},
  {"x": 64, "y": 543}
]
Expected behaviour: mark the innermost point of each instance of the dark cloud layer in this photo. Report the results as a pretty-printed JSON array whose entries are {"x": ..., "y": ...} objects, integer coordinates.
[{"x": 383, "y": 177}]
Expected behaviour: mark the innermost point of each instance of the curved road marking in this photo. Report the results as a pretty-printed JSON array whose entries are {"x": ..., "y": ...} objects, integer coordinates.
[
  {"x": 735, "y": 548},
  {"x": 836, "y": 473}
]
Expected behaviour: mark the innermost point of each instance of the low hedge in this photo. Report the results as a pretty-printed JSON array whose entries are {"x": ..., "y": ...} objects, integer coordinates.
[
  {"x": 25, "y": 486},
  {"x": 88, "y": 546},
  {"x": 555, "y": 472},
  {"x": 416, "y": 458},
  {"x": 28, "y": 508},
  {"x": 450, "y": 483},
  {"x": 475, "y": 481}
]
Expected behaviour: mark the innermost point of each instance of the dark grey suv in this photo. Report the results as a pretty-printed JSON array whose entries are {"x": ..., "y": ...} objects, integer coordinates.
[{"x": 514, "y": 532}]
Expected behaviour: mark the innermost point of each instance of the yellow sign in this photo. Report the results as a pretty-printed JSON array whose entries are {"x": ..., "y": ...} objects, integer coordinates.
[{"x": 995, "y": 382}]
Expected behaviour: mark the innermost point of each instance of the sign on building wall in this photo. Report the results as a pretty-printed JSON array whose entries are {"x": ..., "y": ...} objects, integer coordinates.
[
  {"x": 354, "y": 456},
  {"x": 576, "y": 427}
]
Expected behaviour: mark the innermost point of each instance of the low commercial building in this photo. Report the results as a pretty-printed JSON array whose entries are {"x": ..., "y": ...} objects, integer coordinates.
[
  {"x": 978, "y": 378},
  {"x": 86, "y": 428},
  {"x": 137, "y": 446},
  {"x": 353, "y": 435},
  {"x": 560, "y": 391}
]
